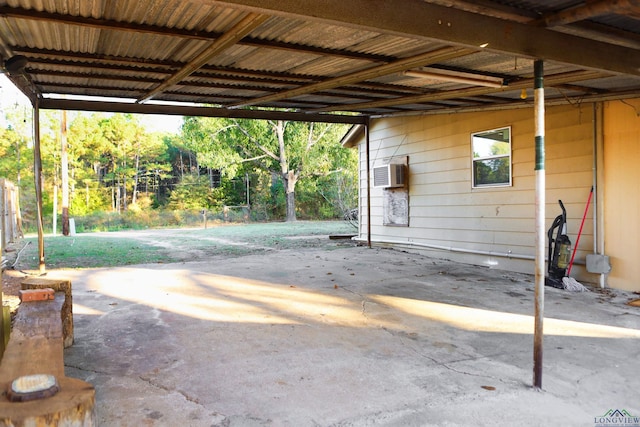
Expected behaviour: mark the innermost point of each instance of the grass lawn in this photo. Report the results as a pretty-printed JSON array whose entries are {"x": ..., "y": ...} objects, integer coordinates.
[{"x": 88, "y": 250}]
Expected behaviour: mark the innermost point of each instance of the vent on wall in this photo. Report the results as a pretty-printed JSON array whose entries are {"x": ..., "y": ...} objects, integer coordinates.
[{"x": 389, "y": 176}]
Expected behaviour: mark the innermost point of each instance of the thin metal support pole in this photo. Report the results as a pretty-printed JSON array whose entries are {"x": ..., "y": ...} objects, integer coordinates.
[
  {"x": 539, "y": 119},
  {"x": 368, "y": 159}
]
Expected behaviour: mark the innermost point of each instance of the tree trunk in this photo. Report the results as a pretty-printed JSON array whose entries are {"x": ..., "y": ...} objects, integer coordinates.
[
  {"x": 136, "y": 179},
  {"x": 118, "y": 205},
  {"x": 124, "y": 189},
  {"x": 291, "y": 207},
  {"x": 290, "y": 180},
  {"x": 54, "y": 219},
  {"x": 64, "y": 161},
  {"x": 289, "y": 176}
]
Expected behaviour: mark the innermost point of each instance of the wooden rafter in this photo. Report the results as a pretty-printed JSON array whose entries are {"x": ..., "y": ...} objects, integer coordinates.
[
  {"x": 353, "y": 93},
  {"x": 107, "y": 24},
  {"x": 458, "y": 93},
  {"x": 589, "y": 10},
  {"x": 95, "y": 64},
  {"x": 245, "y": 26},
  {"x": 98, "y": 62},
  {"x": 359, "y": 76}
]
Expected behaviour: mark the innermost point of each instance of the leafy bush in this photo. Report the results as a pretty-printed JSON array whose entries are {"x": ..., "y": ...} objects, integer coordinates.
[
  {"x": 138, "y": 219},
  {"x": 195, "y": 192},
  {"x": 88, "y": 200}
]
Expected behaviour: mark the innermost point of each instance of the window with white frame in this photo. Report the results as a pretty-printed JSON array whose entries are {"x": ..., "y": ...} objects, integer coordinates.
[{"x": 491, "y": 157}]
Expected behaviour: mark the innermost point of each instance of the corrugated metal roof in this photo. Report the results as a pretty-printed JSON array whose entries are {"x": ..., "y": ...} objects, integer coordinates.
[{"x": 344, "y": 56}]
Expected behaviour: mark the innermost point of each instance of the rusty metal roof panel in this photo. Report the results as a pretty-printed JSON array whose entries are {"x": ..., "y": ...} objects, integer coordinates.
[
  {"x": 539, "y": 6},
  {"x": 330, "y": 67},
  {"x": 496, "y": 64},
  {"x": 174, "y": 14},
  {"x": 316, "y": 34},
  {"x": 136, "y": 45},
  {"x": 6, "y": 32},
  {"x": 394, "y": 46},
  {"x": 234, "y": 55},
  {"x": 622, "y": 83},
  {"x": 274, "y": 60},
  {"x": 291, "y": 60},
  {"x": 620, "y": 21}
]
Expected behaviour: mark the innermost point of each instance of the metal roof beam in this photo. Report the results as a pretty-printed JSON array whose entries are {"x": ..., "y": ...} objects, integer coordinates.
[
  {"x": 417, "y": 18},
  {"x": 25, "y": 84},
  {"x": 587, "y": 29},
  {"x": 117, "y": 107}
]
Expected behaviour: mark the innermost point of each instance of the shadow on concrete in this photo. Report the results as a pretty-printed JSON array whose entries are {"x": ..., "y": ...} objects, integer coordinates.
[{"x": 349, "y": 337}]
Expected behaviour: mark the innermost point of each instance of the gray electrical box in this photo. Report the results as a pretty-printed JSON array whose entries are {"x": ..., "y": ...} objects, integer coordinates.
[{"x": 598, "y": 264}]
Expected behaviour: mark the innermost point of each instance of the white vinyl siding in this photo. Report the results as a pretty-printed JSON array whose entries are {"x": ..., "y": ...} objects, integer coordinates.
[{"x": 446, "y": 211}]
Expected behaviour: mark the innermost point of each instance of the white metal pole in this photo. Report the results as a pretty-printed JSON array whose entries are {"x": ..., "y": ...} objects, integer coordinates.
[
  {"x": 540, "y": 222},
  {"x": 368, "y": 159}
]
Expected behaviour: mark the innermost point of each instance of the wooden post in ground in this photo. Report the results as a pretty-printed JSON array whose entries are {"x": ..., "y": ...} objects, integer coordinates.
[{"x": 37, "y": 176}]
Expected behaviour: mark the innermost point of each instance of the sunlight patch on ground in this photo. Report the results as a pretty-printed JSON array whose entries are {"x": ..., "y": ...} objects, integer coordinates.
[
  {"x": 233, "y": 299},
  {"x": 226, "y": 298},
  {"x": 474, "y": 319},
  {"x": 83, "y": 309}
]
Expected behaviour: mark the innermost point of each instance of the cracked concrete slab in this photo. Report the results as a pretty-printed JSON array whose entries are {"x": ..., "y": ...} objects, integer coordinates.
[{"x": 347, "y": 337}]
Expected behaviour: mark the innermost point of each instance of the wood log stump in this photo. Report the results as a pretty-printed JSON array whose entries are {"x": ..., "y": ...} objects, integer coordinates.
[
  {"x": 67, "y": 308},
  {"x": 36, "y": 347}
]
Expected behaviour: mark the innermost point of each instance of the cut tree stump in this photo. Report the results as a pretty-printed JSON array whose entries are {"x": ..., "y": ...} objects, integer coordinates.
[
  {"x": 67, "y": 307},
  {"x": 36, "y": 347}
]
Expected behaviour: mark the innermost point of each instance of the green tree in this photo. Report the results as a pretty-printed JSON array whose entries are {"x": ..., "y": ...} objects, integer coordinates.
[
  {"x": 195, "y": 193},
  {"x": 14, "y": 155},
  {"x": 120, "y": 133},
  {"x": 117, "y": 152},
  {"x": 292, "y": 151},
  {"x": 88, "y": 151}
]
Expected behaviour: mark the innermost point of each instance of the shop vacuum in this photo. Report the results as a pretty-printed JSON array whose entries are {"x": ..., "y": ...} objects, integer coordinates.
[{"x": 559, "y": 250}]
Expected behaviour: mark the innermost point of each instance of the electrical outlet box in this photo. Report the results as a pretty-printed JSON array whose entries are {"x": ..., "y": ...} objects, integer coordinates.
[{"x": 598, "y": 264}]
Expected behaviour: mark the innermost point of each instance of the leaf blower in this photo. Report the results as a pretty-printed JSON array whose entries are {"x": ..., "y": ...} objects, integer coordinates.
[{"x": 559, "y": 250}]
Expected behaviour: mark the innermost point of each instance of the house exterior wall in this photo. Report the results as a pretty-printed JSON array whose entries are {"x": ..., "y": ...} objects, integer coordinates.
[
  {"x": 621, "y": 195},
  {"x": 491, "y": 226}
]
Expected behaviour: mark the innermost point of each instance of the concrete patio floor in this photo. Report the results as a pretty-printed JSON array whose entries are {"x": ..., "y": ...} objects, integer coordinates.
[{"x": 347, "y": 337}]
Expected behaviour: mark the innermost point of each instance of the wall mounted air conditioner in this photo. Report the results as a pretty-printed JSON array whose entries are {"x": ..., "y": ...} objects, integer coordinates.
[{"x": 390, "y": 176}]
